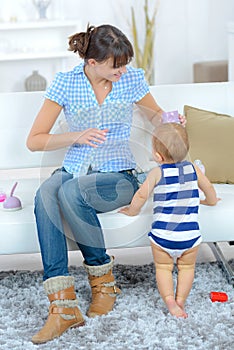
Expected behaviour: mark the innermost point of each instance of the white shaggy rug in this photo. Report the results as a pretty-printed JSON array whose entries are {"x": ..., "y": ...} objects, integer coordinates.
[{"x": 139, "y": 321}]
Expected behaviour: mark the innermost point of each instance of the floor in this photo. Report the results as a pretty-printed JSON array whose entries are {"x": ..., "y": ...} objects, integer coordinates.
[{"x": 134, "y": 256}]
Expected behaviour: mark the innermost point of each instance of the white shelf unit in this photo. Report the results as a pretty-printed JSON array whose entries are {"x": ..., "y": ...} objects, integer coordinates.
[
  {"x": 34, "y": 56},
  {"x": 40, "y": 45}
]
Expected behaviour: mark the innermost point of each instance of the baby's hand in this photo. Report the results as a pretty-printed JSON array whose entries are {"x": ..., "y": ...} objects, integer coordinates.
[
  {"x": 182, "y": 120},
  {"x": 128, "y": 211},
  {"x": 206, "y": 202}
]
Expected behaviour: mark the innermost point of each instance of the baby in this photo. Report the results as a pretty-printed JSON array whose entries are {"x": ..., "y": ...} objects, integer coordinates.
[{"x": 175, "y": 231}]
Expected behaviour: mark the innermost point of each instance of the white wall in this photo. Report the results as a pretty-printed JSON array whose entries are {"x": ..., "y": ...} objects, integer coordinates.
[
  {"x": 187, "y": 31},
  {"x": 190, "y": 31}
]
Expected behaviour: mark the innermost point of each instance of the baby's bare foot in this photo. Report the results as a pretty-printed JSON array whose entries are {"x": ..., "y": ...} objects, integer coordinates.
[
  {"x": 174, "y": 308},
  {"x": 180, "y": 302}
]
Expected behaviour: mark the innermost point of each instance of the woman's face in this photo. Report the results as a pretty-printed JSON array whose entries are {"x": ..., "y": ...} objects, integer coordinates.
[{"x": 105, "y": 70}]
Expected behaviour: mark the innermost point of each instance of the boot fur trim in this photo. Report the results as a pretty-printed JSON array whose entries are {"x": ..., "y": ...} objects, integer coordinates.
[
  {"x": 55, "y": 284},
  {"x": 99, "y": 270}
]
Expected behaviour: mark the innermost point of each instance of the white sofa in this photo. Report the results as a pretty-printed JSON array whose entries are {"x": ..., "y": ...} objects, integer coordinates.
[{"x": 17, "y": 163}]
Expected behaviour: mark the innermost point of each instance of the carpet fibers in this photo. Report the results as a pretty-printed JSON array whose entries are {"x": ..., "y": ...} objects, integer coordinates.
[{"x": 139, "y": 320}]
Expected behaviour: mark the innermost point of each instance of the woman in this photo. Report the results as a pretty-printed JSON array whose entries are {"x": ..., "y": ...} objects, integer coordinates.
[{"x": 97, "y": 97}]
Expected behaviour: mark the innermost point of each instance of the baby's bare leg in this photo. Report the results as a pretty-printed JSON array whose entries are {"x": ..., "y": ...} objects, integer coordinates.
[
  {"x": 164, "y": 266},
  {"x": 186, "y": 268}
]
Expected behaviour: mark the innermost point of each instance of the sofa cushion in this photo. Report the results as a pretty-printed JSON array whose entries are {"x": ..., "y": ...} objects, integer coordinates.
[{"x": 211, "y": 140}]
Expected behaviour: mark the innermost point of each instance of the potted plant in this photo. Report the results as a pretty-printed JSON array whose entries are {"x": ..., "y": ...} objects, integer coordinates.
[{"x": 144, "y": 55}]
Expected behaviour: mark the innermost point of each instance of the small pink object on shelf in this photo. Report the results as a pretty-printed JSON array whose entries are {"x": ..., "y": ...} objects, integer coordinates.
[
  {"x": 218, "y": 296},
  {"x": 170, "y": 117},
  {"x": 2, "y": 195}
]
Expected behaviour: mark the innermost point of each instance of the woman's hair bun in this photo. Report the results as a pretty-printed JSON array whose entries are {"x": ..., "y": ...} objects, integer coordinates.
[{"x": 79, "y": 42}]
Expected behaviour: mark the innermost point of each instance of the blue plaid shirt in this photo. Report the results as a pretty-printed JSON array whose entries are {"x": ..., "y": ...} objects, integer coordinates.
[{"x": 73, "y": 91}]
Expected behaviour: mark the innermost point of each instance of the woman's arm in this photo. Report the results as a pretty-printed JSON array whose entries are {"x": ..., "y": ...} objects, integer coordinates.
[
  {"x": 207, "y": 188},
  {"x": 40, "y": 139},
  {"x": 152, "y": 110}
]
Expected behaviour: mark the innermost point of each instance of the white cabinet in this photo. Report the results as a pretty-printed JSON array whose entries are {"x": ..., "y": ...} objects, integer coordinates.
[{"x": 38, "y": 45}]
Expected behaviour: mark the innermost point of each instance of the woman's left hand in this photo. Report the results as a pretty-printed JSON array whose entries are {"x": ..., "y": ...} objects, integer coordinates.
[{"x": 182, "y": 119}]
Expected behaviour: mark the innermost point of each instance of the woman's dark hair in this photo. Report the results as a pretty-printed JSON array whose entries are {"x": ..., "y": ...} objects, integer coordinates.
[{"x": 101, "y": 43}]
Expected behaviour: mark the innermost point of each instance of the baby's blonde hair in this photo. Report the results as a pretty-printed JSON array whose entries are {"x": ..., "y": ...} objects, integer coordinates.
[{"x": 170, "y": 140}]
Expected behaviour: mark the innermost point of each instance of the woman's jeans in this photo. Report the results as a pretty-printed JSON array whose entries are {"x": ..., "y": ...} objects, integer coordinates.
[{"x": 78, "y": 200}]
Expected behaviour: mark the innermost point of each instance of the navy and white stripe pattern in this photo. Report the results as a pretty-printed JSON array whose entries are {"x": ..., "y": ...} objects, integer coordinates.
[{"x": 176, "y": 204}]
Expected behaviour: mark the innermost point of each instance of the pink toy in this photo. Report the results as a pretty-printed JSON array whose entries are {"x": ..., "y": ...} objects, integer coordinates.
[
  {"x": 12, "y": 203},
  {"x": 2, "y": 195},
  {"x": 170, "y": 117}
]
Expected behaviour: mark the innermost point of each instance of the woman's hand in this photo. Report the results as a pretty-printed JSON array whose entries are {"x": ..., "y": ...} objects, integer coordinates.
[
  {"x": 91, "y": 137},
  {"x": 40, "y": 138}
]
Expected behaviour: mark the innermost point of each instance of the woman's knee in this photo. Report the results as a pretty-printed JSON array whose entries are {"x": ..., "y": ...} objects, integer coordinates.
[
  {"x": 69, "y": 191},
  {"x": 44, "y": 194}
]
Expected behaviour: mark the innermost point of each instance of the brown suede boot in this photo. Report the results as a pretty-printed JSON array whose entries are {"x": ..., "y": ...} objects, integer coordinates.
[
  {"x": 104, "y": 291},
  {"x": 63, "y": 311}
]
